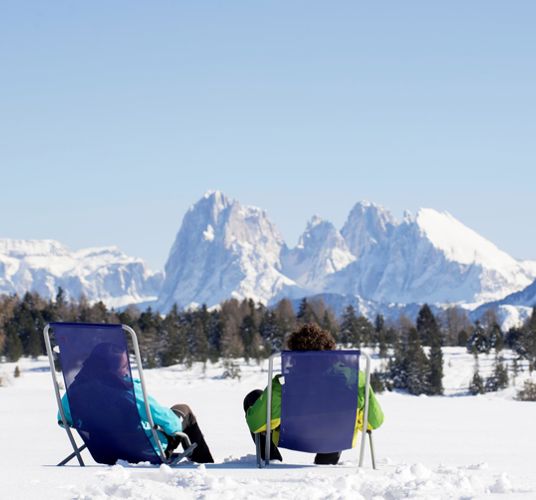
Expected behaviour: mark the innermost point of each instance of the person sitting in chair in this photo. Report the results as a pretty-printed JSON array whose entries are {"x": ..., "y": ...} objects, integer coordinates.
[
  {"x": 310, "y": 337},
  {"x": 107, "y": 371}
]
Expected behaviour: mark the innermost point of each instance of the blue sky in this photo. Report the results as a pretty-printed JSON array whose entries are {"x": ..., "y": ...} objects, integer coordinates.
[{"x": 116, "y": 116}]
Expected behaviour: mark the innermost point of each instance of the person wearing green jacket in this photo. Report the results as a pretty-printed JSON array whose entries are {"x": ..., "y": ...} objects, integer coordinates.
[{"x": 310, "y": 337}]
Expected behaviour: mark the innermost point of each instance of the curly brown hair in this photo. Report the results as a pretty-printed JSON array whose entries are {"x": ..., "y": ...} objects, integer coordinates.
[{"x": 310, "y": 337}]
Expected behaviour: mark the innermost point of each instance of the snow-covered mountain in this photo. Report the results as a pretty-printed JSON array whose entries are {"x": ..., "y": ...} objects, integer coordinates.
[
  {"x": 104, "y": 274},
  {"x": 431, "y": 257},
  {"x": 321, "y": 251},
  {"x": 525, "y": 297},
  {"x": 513, "y": 309},
  {"x": 223, "y": 250},
  {"x": 368, "y": 228}
]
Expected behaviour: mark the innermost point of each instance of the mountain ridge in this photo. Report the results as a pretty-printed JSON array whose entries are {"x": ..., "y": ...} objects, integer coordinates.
[{"x": 224, "y": 249}]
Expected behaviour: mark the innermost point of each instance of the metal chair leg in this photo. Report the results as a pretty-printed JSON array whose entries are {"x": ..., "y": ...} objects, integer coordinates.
[
  {"x": 258, "y": 450},
  {"x": 75, "y": 453},
  {"x": 372, "y": 450}
]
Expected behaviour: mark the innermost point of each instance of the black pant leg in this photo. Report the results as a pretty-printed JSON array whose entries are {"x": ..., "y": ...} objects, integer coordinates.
[
  {"x": 327, "y": 458},
  {"x": 201, "y": 453}
]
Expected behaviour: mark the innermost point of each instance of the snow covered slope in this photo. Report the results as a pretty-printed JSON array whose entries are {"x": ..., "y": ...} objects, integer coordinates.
[
  {"x": 104, "y": 274},
  {"x": 423, "y": 450},
  {"x": 223, "y": 250}
]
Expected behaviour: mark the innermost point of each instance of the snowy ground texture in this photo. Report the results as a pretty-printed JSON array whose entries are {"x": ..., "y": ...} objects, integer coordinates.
[{"x": 456, "y": 446}]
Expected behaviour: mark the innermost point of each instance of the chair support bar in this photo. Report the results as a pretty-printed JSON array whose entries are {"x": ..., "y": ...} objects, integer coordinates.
[
  {"x": 58, "y": 398},
  {"x": 144, "y": 390},
  {"x": 365, "y": 408},
  {"x": 72, "y": 455}
]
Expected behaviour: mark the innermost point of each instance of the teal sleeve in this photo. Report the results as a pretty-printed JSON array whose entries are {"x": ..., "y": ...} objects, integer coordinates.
[
  {"x": 66, "y": 410},
  {"x": 162, "y": 416}
]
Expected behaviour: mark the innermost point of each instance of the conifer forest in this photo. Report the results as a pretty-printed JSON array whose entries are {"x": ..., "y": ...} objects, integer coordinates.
[{"x": 410, "y": 348}]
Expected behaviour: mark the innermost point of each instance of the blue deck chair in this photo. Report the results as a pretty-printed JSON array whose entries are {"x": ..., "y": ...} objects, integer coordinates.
[
  {"x": 103, "y": 407},
  {"x": 318, "y": 403}
]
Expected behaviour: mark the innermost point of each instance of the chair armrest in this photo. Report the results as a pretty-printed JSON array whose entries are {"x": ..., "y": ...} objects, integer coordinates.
[{"x": 183, "y": 437}]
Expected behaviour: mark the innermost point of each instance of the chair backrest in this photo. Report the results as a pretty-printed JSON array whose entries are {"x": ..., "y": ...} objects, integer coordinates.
[
  {"x": 319, "y": 400},
  {"x": 98, "y": 381}
]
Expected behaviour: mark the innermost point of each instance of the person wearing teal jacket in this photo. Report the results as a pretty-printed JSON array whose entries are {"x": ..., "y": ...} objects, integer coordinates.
[
  {"x": 107, "y": 371},
  {"x": 165, "y": 418},
  {"x": 309, "y": 337}
]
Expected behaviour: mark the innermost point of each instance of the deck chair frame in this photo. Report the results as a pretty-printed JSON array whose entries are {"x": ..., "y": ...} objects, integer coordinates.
[
  {"x": 269, "y": 412},
  {"x": 174, "y": 459}
]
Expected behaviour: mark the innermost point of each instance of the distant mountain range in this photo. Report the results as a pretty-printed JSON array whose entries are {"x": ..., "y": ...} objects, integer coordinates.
[
  {"x": 104, "y": 274},
  {"x": 224, "y": 249}
]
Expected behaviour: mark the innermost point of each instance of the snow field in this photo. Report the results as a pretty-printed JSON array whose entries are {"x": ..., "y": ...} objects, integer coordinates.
[{"x": 429, "y": 447}]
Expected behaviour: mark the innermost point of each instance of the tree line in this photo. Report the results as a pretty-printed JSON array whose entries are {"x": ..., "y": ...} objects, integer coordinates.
[{"x": 412, "y": 350}]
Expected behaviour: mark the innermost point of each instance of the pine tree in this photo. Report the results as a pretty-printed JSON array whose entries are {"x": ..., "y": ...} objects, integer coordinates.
[
  {"x": 329, "y": 323},
  {"x": 23, "y": 318},
  {"x": 151, "y": 344},
  {"x": 59, "y": 308},
  {"x": 499, "y": 379},
  {"x": 515, "y": 371},
  {"x": 271, "y": 333},
  {"x": 427, "y": 326},
  {"x": 213, "y": 328},
  {"x": 527, "y": 341},
  {"x": 98, "y": 313},
  {"x": 478, "y": 342},
  {"x": 175, "y": 346},
  {"x": 380, "y": 335},
  {"x": 350, "y": 328},
  {"x": 366, "y": 331},
  {"x": 250, "y": 335},
  {"x": 495, "y": 337},
  {"x": 418, "y": 366},
  {"x": 13, "y": 348},
  {"x": 476, "y": 386},
  {"x": 306, "y": 313},
  {"x": 435, "y": 379},
  {"x": 398, "y": 367},
  {"x": 197, "y": 340}
]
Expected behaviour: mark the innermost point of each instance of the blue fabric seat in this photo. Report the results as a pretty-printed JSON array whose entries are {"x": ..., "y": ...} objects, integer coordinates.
[
  {"x": 319, "y": 401},
  {"x": 99, "y": 387}
]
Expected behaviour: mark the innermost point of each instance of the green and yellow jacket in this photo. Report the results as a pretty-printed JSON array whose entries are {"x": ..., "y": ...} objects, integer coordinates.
[{"x": 256, "y": 414}]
